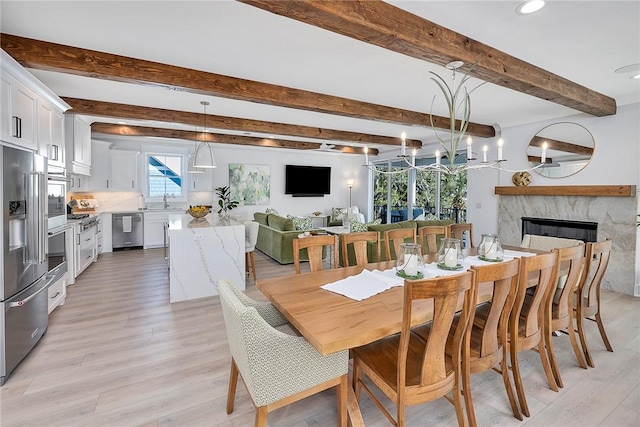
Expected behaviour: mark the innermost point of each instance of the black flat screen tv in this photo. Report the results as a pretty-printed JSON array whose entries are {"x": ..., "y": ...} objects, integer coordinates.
[{"x": 307, "y": 181}]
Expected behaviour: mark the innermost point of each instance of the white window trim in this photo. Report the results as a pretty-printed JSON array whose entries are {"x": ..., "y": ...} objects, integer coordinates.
[{"x": 185, "y": 178}]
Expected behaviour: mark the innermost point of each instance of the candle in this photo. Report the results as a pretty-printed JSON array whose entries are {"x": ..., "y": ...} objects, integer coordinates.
[
  {"x": 404, "y": 143},
  {"x": 500, "y": 143},
  {"x": 469, "y": 152},
  {"x": 484, "y": 153},
  {"x": 491, "y": 252},
  {"x": 451, "y": 257},
  {"x": 366, "y": 155},
  {"x": 437, "y": 157},
  {"x": 410, "y": 265},
  {"x": 543, "y": 158}
]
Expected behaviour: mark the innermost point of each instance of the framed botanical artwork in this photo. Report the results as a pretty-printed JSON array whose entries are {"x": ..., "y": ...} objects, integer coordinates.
[{"x": 249, "y": 183}]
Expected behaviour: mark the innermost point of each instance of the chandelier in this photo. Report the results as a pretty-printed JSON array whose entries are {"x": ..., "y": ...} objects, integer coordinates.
[{"x": 458, "y": 99}]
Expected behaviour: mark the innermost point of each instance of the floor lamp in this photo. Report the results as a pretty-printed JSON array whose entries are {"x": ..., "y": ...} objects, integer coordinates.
[{"x": 350, "y": 185}]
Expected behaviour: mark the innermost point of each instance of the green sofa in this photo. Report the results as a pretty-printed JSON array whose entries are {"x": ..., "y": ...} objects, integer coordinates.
[
  {"x": 384, "y": 227},
  {"x": 275, "y": 237}
]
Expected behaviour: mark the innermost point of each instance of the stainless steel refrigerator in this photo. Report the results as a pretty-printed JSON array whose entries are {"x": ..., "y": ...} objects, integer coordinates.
[{"x": 23, "y": 294}]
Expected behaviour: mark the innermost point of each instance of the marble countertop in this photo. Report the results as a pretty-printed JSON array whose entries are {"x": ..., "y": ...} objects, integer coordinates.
[{"x": 185, "y": 221}]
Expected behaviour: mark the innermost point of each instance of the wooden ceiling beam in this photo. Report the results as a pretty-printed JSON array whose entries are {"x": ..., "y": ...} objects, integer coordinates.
[
  {"x": 554, "y": 144},
  {"x": 387, "y": 26},
  {"x": 135, "y": 112},
  {"x": 217, "y": 138},
  {"x": 89, "y": 63}
]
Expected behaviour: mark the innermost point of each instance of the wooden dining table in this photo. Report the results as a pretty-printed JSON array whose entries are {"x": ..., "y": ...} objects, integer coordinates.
[{"x": 332, "y": 322}]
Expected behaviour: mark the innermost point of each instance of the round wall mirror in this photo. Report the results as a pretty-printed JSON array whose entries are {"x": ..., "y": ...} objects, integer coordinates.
[{"x": 569, "y": 149}]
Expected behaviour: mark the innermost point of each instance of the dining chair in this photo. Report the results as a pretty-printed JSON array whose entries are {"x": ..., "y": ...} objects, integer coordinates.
[
  {"x": 359, "y": 241},
  {"x": 428, "y": 237},
  {"x": 457, "y": 231},
  {"x": 587, "y": 301},
  {"x": 485, "y": 345},
  {"x": 251, "y": 238},
  {"x": 314, "y": 246},
  {"x": 528, "y": 315},
  {"x": 410, "y": 370},
  {"x": 395, "y": 238},
  {"x": 570, "y": 261},
  {"x": 277, "y": 368}
]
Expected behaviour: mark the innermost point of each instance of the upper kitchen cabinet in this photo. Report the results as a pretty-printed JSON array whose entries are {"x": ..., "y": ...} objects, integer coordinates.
[
  {"x": 51, "y": 135},
  {"x": 202, "y": 181},
  {"x": 124, "y": 170},
  {"x": 21, "y": 97},
  {"x": 78, "y": 136}
]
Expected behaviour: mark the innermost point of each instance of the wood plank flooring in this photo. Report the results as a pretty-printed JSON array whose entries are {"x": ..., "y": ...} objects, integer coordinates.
[{"x": 119, "y": 354}]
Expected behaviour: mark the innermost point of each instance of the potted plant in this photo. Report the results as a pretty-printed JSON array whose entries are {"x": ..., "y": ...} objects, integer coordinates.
[{"x": 224, "y": 200}]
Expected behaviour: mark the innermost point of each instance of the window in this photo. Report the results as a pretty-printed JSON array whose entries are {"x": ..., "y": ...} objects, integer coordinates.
[
  {"x": 436, "y": 194},
  {"x": 165, "y": 175}
]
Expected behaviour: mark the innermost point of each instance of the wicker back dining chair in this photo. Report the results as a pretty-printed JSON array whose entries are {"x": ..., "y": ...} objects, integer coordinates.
[{"x": 277, "y": 368}]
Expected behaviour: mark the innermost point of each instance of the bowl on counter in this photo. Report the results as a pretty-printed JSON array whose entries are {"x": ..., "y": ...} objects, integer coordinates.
[{"x": 198, "y": 212}]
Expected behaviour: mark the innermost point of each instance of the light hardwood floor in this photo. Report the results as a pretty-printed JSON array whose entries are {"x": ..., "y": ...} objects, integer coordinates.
[{"x": 118, "y": 354}]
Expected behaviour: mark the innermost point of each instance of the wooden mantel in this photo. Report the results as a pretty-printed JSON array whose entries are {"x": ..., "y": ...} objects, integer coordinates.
[{"x": 569, "y": 190}]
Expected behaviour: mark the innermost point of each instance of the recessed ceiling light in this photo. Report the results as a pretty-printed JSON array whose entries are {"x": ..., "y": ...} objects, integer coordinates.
[
  {"x": 628, "y": 69},
  {"x": 637, "y": 76},
  {"x": 530, "y": 7}
]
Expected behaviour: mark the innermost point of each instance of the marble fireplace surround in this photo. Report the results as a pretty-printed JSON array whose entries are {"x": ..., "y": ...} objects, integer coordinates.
[{"x": 612, "y": 207}]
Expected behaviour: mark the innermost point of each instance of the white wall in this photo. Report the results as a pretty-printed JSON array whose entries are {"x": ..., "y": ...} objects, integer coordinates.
[{"x": 343, "y": 167}]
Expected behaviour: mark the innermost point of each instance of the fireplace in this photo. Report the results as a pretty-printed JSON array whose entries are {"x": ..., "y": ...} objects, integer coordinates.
[{"x": 586, "y": 231}]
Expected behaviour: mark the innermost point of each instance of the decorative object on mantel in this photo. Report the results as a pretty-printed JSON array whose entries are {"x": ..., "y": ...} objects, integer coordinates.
[
  {"x": 457, "y": 97},
  {"x": 521, "y": 178},
  {"x": 317, "y": 213},
  {"x": 225, "y": 202},
  {"x": 569, "y": 190}
]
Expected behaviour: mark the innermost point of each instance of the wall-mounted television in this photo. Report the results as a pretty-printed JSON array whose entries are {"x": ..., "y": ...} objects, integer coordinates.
[{"x": 307, "y": 181}]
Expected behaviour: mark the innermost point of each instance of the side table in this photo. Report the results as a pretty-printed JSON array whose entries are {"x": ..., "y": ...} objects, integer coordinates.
[{"x": 319, "y": 221}]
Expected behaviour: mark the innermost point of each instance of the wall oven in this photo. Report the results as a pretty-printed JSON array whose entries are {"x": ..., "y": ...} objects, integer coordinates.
[{"x": 56, "y": 199}]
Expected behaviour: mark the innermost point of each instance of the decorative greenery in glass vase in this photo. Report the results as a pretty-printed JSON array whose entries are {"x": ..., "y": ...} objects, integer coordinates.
[{"x": 224, "y": 199}]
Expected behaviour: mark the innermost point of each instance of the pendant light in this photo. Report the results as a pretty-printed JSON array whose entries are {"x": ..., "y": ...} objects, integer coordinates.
[
  {"x": 204, "y": 157},
  {"x": 192, "y": 157}
]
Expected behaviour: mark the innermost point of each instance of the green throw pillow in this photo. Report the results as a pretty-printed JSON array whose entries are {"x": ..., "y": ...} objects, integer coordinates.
[
  {"x": 301, "y": 223},
  {"x": 337, "y": 214},
  {"x": 356, "y": 226}
]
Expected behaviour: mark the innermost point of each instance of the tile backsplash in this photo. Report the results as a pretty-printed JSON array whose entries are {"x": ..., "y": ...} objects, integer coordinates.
[{"x": 114, "y": 201}]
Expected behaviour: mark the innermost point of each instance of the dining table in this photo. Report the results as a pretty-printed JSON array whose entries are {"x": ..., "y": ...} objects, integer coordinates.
[{"x": 332, "y": 322}]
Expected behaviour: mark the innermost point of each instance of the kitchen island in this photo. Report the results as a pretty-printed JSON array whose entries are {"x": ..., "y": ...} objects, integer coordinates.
[{"x": 200, "y": 253}]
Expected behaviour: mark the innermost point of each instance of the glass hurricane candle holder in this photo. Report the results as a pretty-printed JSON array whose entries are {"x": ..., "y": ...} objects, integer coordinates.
[
  {"x": 490, "y": 248},
  {"x": 450, "y": 255},
  {"x": 409, "y": 262}
]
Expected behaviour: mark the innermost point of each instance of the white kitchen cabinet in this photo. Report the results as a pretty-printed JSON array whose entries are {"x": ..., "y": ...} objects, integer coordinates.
[
  {"x": 78, "y": 145},
  {"x": 58, "y": 292},
  {"x": 22, "y": 120},
  {"x": 85, "y": 249},
  {"x": 78, "y": 183},
  {"x": 99, "y": 236},
  {"x": 202, "y": 181},
  {"x": 101, "y": 166},
  {"x": 18, "y": 111},
  {"x": 56, "y": 149},
  {"x": 154, "y": 230},
  {"x": 124, "y": 170}
]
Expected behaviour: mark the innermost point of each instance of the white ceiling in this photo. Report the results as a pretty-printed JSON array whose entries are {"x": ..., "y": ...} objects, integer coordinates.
[{"x": 584, "y": 41}]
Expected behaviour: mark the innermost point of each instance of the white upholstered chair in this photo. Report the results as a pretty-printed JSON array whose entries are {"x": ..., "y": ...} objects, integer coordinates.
[
  {"x": 277, "y": 368},
  {"x": 547, "y": 243},
  {"x": 250, "y": 239}
]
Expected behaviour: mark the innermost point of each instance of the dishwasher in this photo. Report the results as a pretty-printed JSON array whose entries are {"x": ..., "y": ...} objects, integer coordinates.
[{"x": 127, "y": 230}]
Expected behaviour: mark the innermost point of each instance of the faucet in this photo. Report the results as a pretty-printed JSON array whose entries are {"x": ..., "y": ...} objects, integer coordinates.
[{"x": 165, "y": 200}]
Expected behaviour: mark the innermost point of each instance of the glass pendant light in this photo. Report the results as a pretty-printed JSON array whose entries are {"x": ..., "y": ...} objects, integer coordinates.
[{"x": 204, "y": 157}]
